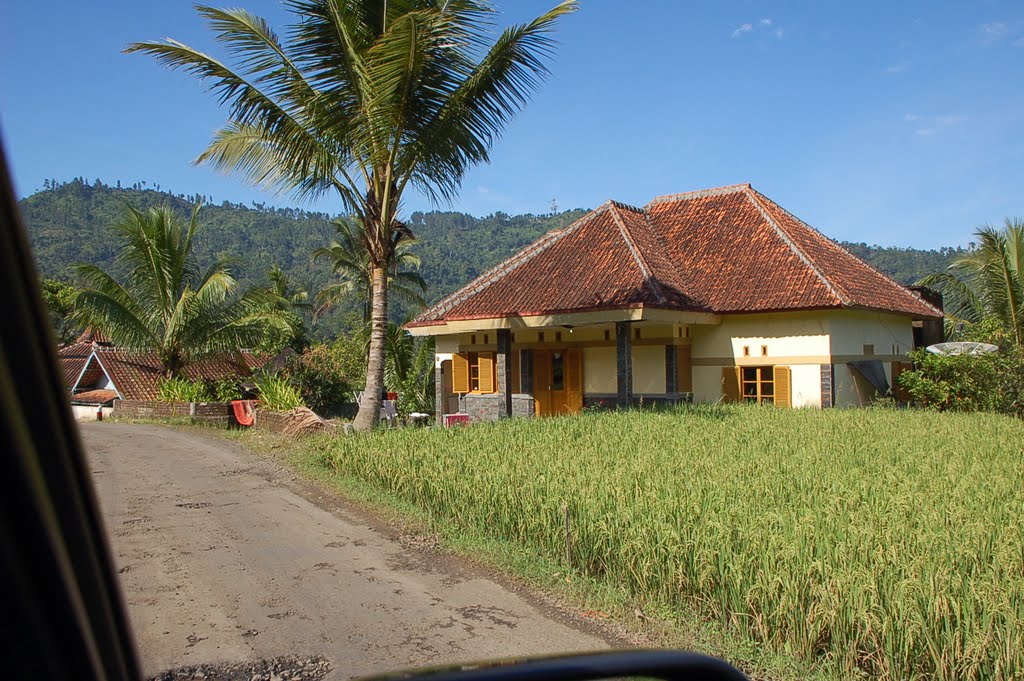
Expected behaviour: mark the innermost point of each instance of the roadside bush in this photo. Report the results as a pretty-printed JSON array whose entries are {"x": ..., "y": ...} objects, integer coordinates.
[
  {"x": 992, "y": 382},
  {"x": 327, "y": 373},
  {"x": 183, "y": 390},
  {"x": 277, "y": 393},
  {"x": 226, "y": 389}
]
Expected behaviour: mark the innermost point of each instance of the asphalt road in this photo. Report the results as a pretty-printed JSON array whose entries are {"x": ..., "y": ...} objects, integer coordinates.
[{"x": 226, "y": 556}]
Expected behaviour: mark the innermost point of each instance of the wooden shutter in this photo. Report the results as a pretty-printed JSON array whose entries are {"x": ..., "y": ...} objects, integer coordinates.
[
  {"x": 573, "y": 380},
  {"x": 460, "y": 373},
  {"x": 684, "y": 369},
  {"x": 486, "y": 364},
  {"x": 783, "y": 387},
  {"x": 731, "y": 384}
]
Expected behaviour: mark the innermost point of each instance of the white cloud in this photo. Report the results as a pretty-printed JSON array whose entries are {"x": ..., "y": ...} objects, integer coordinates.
[
  {"x": 996, "y": 29},
  {"x": 933, "y": 125},
  {"x": 897, "y": 68},
  {"x": 779, "y": 33},
  {"x": 1019, "y": 42},
  {"x": 483, "y": 190},
  {"x": 767, "y": 21},
  {"x": 745, "y": 28}
]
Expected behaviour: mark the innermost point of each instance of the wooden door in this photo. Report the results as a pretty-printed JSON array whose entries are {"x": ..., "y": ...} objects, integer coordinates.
[
  {"x": 557, "y": 381},
  {"x": 542, "y": 382}
]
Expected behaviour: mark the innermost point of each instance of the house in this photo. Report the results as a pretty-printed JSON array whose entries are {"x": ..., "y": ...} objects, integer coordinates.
[
  {"x": 711, "y": 295},
  {"x": 107, "y": 373}
]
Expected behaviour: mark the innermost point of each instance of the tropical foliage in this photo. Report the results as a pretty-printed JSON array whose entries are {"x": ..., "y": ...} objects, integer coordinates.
[
  {"x": 291, "y": 301},
  {"x": 59, "y": 297},
  {"x": 164, "y": 303},
  {"x": 987, "y": 282},
  {"x": 277, "y": 393},
  {"x": 363, "y": 100},
  {"x": 327, "y": 374},
  {"x": 990, "y": 382},
  {"x": 350, "y": 263},
  {"x": 184, "y": 390}
]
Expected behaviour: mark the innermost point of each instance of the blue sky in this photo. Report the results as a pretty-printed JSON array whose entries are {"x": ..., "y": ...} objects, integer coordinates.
[{"x": 898, "y": 123}]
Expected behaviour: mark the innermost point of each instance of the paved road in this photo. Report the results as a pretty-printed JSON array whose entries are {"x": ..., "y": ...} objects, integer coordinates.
[{"x": 226, "y": 556}]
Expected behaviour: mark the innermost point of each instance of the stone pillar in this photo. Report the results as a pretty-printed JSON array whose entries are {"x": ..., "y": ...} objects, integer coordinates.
[
  {"x": 671, "y": 369},
  {"x": 624, "y": 363},
  {"x": 503, "y": 369}
]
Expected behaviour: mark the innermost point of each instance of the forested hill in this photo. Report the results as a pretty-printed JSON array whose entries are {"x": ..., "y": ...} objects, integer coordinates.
[{"x": 70, "y": 222}]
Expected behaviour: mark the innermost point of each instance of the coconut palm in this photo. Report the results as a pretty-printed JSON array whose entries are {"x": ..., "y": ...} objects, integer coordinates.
[
  {"x": 363, "y": 99},
  {"x": 166, "y": 305},
  {"x": 987, "y": 282},
  {"x": 350, "y": 262},
  {"x": 292, "y": 302}
]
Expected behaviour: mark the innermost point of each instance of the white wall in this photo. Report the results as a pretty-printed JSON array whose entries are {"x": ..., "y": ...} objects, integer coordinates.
[
  {"x": 84, "y": 413},
  {"x": 806, "y": 380}
]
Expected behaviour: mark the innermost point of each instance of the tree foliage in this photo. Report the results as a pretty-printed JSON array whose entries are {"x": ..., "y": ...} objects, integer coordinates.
[
  {"x": 362, "y": 100},
  {"x": 59, "y": 297},
  {"x": 987, "y": 282},
  {"x": 163, "y": 302}
]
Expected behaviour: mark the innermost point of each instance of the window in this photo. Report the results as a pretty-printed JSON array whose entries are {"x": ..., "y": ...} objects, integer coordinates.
[
  {"x": 758, "y": 385},
  {"x": 557, "y": 371},
  {"x": 607, "y": 335},
  {"x": 473, "y": 372},
  {"x": 540, "y": 337},
  {"x": 869, "y": 349},
  {"x": 746, "y": 351},
  {"x": 487, "y": 339},
  {"x": 558, "y": 336},
  {"x": 764, "y": 350},
  {"x": 636, "y": 334}
]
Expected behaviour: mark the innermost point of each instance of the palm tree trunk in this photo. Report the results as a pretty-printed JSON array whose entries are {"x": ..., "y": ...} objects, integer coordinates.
[{"x": 369, "y": 406}]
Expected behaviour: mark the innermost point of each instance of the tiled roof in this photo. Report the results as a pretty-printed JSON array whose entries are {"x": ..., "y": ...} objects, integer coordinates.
[
  {"x": 72, "y": 357},
  {"x": 137, "y": 376},
  {"x": 725, "y": 250},
  {"x": 94, "y": 397}
]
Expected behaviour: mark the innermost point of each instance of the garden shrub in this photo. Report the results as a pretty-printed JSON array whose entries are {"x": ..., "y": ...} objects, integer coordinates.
[
  {"x": 184, "y": 390},
  {"x": 326, "y": 374},
  {"x": 277, "y": 393},
  {"x": 991, "y": 382}
]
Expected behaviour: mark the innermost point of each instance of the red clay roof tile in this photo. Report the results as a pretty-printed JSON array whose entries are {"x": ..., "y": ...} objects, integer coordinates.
[{"x": 724, "y": 250}]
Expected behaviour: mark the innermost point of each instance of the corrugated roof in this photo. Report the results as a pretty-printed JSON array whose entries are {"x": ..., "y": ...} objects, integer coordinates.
[{"x": 723, "y": 250}]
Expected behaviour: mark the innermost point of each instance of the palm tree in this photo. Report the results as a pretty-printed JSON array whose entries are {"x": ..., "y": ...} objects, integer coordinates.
[
  {"x": 292, "y": 302},
  {"x": 363, "y": 99},
  {"x": 166, "y": 305},
  {"x": 987, "y": 282},
  {"x": 350, "y": 261}
]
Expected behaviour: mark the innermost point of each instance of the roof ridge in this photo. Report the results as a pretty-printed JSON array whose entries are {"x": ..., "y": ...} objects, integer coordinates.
[
  {"x": 626, "y": 206},
  {"x": 835, "y": 244},
  {"x": 752, "y": 194},
  {"x": 641, "y": 261},
  {"x": 699, "y": 193},
  {"x": 508, "y": 265}
]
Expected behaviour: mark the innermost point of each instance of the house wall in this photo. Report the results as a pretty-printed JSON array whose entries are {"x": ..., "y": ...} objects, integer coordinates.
[
  {"x": 648, "y": 369},
  {"x": 799, "y": 340},
  {"x": 802, "y": 341},
  {"x": 599, "y": 371}
]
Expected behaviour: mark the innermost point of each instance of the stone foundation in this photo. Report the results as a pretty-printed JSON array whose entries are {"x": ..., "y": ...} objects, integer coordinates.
[
  {"x": 212, "y": 413},
  {"x": 491, "y": 407}
]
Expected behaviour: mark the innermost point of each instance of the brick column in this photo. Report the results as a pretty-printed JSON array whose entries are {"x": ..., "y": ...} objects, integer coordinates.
[
  {"x": 624, "y": 363},
  {"x": 503, "y": 369}
]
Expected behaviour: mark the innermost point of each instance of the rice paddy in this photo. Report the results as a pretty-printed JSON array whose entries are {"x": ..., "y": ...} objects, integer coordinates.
[{"x": 882, "y": 543}]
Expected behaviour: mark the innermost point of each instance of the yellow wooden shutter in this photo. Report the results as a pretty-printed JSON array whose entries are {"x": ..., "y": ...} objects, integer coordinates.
[
  {"x": 684, "y": 370},
  {"x": 460, "y": 373},
  {"x": 486, "y": 363},
  {"x": 731, "y": 384},
  {"x": 573, "y": 380},
  {"x": 783, "y": 387}
]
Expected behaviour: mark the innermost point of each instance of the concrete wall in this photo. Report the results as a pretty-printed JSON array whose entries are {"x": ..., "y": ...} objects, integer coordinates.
[
  {"x": 599, "y": 370},
  {"x": 84, "y": 412},
  {"x": 648, "y": 369}
]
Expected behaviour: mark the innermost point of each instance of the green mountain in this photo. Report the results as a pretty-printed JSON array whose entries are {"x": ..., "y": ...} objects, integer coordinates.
[{"x": 69, "y": 222}]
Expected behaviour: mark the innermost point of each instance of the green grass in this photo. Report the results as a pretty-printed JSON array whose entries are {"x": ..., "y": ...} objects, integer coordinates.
[{"x": 873, "y": 542}]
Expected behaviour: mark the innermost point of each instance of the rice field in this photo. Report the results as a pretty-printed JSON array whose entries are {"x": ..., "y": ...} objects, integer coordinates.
[{"x": 882, "y": 543}]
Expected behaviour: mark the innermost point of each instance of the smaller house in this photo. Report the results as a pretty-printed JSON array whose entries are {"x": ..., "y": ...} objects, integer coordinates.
[{"x": 108, "y": 373}]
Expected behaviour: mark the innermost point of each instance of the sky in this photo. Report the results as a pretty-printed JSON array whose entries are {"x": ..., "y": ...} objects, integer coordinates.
[{"x": 896, "y": 123}]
